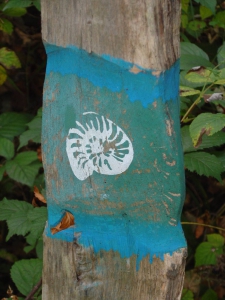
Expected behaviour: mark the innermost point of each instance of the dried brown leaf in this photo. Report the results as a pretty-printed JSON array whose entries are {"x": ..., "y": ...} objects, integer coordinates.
[
  {"x": 34, "y": 203},
  {"x": 66, "y": 222},
  {"x": 9, "y": 291},
  {"x": 199, "y": 229},
  {"x": 39, "y": 153},
  {"x": 38, "y": 195},
  {"x": 221, "y": 224}
]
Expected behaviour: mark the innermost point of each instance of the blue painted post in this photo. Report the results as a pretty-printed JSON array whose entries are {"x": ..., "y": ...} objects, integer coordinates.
[{"x": 112, "y": 151}]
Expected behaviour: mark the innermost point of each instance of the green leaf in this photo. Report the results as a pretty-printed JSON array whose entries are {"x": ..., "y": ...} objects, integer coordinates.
[
  {"x": 216, "y": 139},
  {"x": 40, "y": 181},
  {"x": 6, "y": 148},
  {"x": 188, "y": 61},
  {"x": 9, "y": 59},
  {"x": 196, "y": 25},
  {"x": 37, "y": 4},
  {"x": 221, "y": 156},
  {"x": 220, "y": 81},
  {"x": 188, "y": 91},
  {"x": 15, "y": 213},
  {"x": 34, "y": 132},
  {"x": 18, "y": 3},
  {"x": 20, "y": 169},
  {"x": 204, "y": 76},
  {"x": 187, "y": 295},
  {"x": 3, "y": 75},
  {"x": 206, "y": 254},
  {"x": 205, "y": 12},
  {"x": 219, "y": 19},
  {"x": 184, "y": 21},
  {"x": 26, "y": 158},
  {"x": 185, "y": 82},
  {"x": 30, "y": 135},
  {"x": 8, "y": 208},
  {"x": 211, "y": 4},
  {"x": 37, "y": 218},
  {"x": 13, "y": 124},
  {"x": 215, "y": 239},
  {"x": 204, "y": 164},
  {"x": 189, "y": 48},
  {"x": 221, "y": 56},
  {"x": 185, "y": 5},
  {"x": 15, "y": 12},
  {"x": 2, "y": 171},
  {"x": 18, "y": 224},
  {"x": 184, "y": 104},
  {"x": 39, "y": 112},
  {"x": 6, "y": 26},
  {"x": 26, "y": 273},
  {"x": 209, "y": 295},
  {"x": 39, "y": 248},
  {"x": 206, "y": 123}
]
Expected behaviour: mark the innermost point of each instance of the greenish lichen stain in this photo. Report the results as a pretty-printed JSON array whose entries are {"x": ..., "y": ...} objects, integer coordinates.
[{"x": 137, "y": 210}]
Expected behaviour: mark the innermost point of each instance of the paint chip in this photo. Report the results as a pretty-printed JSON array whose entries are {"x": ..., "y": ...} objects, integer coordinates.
[
  {"x": 154, "y": 104},
  {"x": 135, "y": 70},
  {"x": 156, "y": 73},
  {"x": 169, "y": 128},
  {"x": 173, "y": 163}
]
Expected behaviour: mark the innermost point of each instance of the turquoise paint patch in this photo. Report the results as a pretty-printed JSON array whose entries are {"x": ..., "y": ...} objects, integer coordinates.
[
  {"x": 114, "y": 74},
  {"x": 129, "y": 213},
  {"x": 126, "y": 236}
]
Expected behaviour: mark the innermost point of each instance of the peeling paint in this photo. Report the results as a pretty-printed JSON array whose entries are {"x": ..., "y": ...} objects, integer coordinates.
[
  {"x": 173, "y": 163},
  {"x": 169, "y": 128},
  {"x": 125, "y": 212},
  {"x": 135, "y": 70}
]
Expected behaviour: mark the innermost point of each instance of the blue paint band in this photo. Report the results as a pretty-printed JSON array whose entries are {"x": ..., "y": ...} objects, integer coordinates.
[
  {"x": 126, "y": 236},
  {"x": 144, "y": 86},
  {"x": 130, "y": 220}
]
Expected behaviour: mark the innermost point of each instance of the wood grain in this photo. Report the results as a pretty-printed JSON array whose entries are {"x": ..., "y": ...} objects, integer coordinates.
[
  {"x": 74, "y": 272},
  {"x": 144, "y": 32}
]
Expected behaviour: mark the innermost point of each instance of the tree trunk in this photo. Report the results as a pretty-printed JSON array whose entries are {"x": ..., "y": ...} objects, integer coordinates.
[{"x": 112, "y": 150}]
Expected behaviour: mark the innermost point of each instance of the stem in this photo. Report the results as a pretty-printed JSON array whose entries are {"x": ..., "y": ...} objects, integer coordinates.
[
  {"x": 34, "y": 290},
  {"x": 201, "y": 224},
  {"x": 196, "y": 101}
]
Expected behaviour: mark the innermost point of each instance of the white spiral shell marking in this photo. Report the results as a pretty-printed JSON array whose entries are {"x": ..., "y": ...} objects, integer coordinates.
[{"x": 99, "y": 145}]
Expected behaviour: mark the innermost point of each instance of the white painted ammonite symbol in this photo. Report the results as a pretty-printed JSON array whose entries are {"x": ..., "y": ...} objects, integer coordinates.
[{"x": 99, "y": 145}]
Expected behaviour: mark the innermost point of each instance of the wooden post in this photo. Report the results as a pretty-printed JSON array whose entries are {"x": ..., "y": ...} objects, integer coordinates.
[{"x": 112, "y": 150}]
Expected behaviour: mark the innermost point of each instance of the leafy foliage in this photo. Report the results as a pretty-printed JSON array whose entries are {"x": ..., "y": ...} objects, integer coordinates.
[
  {"x": 207, "y": 252},
  {"x": 34, "y": 131},
  {"x": 26, "y": 274},
  {"x": 22, "y": 218},
  {"x": 13, "y": 124},
  {"x": 24, "y": 167},
  {"x": 187, "y": 295},
  {"x": 210, "y": 295},
  {"x": 21, "y": 3},
  {"x": 204, "y": 164}
]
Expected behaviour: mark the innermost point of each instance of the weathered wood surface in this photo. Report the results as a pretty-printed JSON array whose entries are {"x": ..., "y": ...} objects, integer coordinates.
[
  {"x": 73, "y": 274},
  {"x": 77, "y": 273},
  {"x": 144, "y": 32},
  {"x": 114, "y": 63}
]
